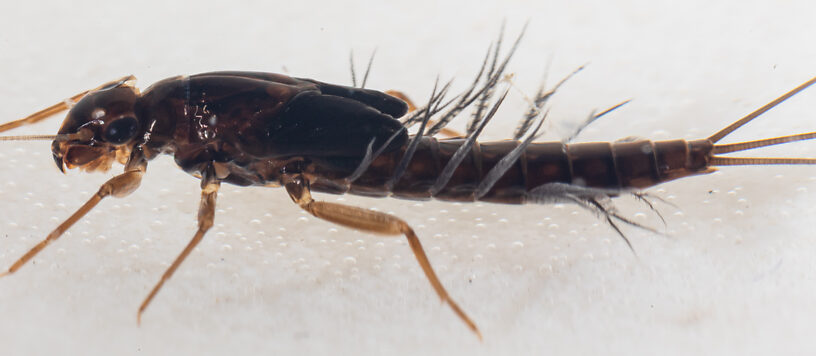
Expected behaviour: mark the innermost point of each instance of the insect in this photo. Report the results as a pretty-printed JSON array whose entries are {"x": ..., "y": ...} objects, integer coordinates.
[{"x": 263, "y": 129}]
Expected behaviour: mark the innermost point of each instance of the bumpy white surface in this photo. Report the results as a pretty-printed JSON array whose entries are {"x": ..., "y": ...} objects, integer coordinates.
[{"x": 735, "y": 273}]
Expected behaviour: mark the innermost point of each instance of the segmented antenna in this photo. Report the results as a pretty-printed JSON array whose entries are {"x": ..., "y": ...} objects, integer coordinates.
[
  {"x": 82, "y": 135},
  {"x": 29, "y": 138}
]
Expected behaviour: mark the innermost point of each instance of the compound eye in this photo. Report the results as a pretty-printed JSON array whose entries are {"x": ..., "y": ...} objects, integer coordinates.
[{"x": 121, "y": 130}]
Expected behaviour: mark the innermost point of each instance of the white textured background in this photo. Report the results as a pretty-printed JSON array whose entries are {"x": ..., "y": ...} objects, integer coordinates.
[{"x": 734, "y": 275}]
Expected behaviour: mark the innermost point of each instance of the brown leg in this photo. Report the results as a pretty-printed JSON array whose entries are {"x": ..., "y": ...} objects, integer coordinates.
[
  {"x": 206, "y": 215},
  {"x": 53, "y": 109},
  {"x": 375, "y": 222},
  {"x": 118, "y": 186}
]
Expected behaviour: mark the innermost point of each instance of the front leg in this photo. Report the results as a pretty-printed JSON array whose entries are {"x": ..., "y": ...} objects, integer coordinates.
[
  {"x": 119, "y": 186},
  {"x": 371, "y": 221}
]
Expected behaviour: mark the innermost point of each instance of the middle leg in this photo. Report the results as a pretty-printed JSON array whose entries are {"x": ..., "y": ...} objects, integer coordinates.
[{"x": 206, "y": 215}]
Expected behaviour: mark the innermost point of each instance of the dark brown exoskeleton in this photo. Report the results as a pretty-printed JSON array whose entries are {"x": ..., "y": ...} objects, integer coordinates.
[{"x": 262, "y": 129}]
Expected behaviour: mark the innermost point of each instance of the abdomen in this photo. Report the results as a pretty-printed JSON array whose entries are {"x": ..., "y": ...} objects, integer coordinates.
[{"x": 604, "y": 165}]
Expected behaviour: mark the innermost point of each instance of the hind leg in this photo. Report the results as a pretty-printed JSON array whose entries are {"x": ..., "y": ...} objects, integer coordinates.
[{"x": 375, "y": 222}]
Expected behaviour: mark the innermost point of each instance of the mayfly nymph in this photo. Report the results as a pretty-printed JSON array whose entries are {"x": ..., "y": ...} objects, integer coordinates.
[{"x": 263, "y": 129}]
